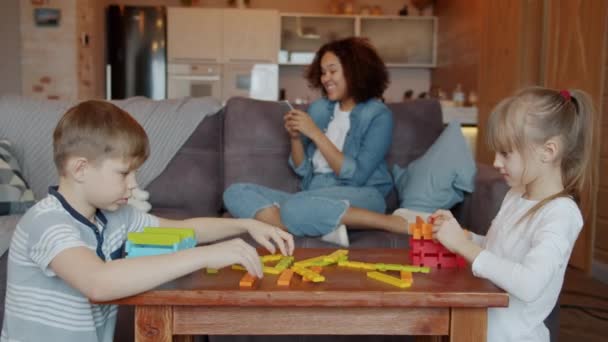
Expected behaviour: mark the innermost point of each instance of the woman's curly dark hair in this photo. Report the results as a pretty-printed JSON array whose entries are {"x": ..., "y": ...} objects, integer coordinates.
[{"x": 365, "y": 73}]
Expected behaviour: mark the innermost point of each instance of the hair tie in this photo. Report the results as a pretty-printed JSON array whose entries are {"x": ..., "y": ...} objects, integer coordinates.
[{"x": 565, "y": 94}]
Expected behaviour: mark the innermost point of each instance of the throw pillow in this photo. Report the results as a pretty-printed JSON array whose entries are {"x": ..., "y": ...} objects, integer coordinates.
[
  {"x": 15, "y": 195},
  {"x": 439, "y": 178}
]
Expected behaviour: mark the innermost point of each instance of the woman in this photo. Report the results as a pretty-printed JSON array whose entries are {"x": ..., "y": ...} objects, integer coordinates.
[{"x": 338, "y": 149}]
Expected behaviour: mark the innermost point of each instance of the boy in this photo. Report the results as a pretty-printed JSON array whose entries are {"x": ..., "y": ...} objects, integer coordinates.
[{"x": 65, "y": 249}]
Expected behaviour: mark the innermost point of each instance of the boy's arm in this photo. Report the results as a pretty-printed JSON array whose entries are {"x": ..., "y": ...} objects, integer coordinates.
[
  {"x": 209, "y": 229},
  {"x": 103, "y": 281}
]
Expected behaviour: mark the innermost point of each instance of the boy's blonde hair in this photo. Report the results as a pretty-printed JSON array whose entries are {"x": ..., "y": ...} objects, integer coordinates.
[
  {"x": 535, "y": 115},
  {"x": 97, "y": 130}
]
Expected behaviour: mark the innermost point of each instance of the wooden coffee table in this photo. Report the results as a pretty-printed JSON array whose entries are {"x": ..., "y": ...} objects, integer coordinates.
[{"x": 444, "y": 302}]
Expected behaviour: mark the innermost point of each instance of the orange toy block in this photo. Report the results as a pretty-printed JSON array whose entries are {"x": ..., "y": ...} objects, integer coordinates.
[
  {"x": 316, "y": 269},
  {"x": 247, "y": 281},
  {"x": 421, "y": 230},
  {"x": 285, "y": 278},
  {"x": 407, "y": 276}
]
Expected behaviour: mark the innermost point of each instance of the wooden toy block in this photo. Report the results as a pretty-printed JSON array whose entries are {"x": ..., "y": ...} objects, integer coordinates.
[
  {"x": 271, "y": 258},
  {"x": 407, "y": 277},
  {"x": 306, "y": 273},
  {"x": 270, "y": 270},
  {"x": 212, "y": 271},
  {"x": 285, "y": 278},
  {"x": 385, "y": 278},
  {"x": 284, "y": 263},
  {"x": 358, "y": 265},
  {"x": 316, "y": 269},
  {"x": 247, "y": 281},
  {"x": 238, "y": 268}
]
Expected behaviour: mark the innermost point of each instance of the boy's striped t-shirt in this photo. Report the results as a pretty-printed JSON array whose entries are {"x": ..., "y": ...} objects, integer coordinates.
[{"x": 40, "y": 305}]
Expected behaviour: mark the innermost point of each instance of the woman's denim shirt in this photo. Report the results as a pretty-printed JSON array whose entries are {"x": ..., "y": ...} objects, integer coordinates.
[{"x": 365, "y": 147}]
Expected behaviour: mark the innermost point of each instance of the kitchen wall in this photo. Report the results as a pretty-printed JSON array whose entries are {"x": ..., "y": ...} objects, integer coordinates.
[
  {"x": 55, "y": 62},
  {"x": 10, "y": 54}
]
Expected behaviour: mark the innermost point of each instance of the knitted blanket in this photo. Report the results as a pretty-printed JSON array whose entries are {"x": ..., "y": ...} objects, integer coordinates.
[{"x": 29, "y": 123}]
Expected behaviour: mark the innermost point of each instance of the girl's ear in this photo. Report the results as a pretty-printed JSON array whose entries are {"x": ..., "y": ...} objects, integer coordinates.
[{"x": 550, "y": 150}]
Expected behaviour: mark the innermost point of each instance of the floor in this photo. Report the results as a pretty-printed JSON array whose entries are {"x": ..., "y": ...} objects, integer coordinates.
[{"x": 584, "y": 309}]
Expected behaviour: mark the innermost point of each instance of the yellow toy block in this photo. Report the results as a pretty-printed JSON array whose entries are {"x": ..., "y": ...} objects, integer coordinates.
[
  {"x": 388, "y": 279},
  {"x": 284, "y": 263},
  {"x": 333, "y": 257},
  {"x": 357, "y": 265},
  {"x": 270, "y": 258},
  {"x": 306, "y": 273},
  {"x": 184, "y": 233},
  {"x": 285, "y": 278},
  {"x": 247, "y": 281},
  {"x": 238, "y": 268},
  {"x": 154, "y": 238},
  {"x": 310, "y": 262},
  {"x": 212, "y": 271},
  {"x": 270, "y": 270},
  {"x": 316, "y": 269}
]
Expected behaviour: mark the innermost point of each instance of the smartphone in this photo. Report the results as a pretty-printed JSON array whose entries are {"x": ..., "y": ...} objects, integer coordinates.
[{"x": 285, "y": 106}]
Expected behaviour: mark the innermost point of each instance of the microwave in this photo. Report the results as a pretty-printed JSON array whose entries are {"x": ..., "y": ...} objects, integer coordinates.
[{"x": 223, "y": 81}]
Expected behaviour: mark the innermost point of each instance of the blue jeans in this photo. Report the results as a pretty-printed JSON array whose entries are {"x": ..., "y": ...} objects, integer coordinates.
[{"x": 306, "y": 213}]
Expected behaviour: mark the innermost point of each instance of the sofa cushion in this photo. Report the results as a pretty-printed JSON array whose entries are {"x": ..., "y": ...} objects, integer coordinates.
[
  {"x": 417, "y": 124},
  {"x": 439, "y": 178},
  {"x": 15, "y": 194}
]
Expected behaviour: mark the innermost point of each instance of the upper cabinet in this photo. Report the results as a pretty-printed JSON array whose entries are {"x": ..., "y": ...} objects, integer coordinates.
[
  {"x": 194, "y": 34},
  {"x": 223, "y": 35},
  {"x": 400, "y": 41},
  {"x": 251, "y": 36}
]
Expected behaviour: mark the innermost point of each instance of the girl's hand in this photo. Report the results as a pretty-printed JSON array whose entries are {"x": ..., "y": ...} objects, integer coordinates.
[
  {"x": 265, "y": 234},
  {"x": 439, "y": 216},
  {"x": 302, "y": 122},
  {"x": 450, "y": 234},
  {"x": 293, "y": 133}
]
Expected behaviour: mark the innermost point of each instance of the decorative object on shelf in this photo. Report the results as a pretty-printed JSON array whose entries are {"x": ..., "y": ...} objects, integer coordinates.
[
  {"x": 458, "y": 96},
  {"x": 308, "y": 32},
  {"x": 472, "y": 98},
  {"x": 421, "y": 5},
  {"x": 238, "y": 3},
  {"x": 376, "y": 10},
  {"x": 349, "y": 7},
  {"x": 334, "y": 7},
  {"x": 365, "y": 10},
  {"x": 47, "y": 17},
  {"x": 403, "y": 11},
  {"x": 189, "y": 2}
]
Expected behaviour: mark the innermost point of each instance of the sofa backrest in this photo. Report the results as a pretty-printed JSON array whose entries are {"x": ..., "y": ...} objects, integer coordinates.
[
  {"x": 191, "y": 184},
  {"x": 256, "y": 146}
]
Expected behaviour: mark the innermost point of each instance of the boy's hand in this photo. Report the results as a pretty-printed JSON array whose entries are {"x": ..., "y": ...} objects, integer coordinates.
[
  {"x": 235, "y": 251},
  {"x": 450, "y": 234},
  {"x": 264, "y": 234}
]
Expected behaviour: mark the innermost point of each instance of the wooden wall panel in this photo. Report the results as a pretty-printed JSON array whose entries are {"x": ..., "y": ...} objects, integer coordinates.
[
  {"x": 510, "y": 56},
  {"x": 574, "y": 58},
  {"x": 458, "y": 45}
]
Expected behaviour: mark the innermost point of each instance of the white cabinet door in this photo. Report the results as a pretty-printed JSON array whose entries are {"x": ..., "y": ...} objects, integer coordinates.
[
  {"x": 251, "y": 36},
  {"x": 194, "y": 34}
]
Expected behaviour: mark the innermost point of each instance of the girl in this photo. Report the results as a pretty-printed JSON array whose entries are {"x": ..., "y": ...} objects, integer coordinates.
[
  {"x": 542, "y": 140},
  {"x": 338, "y": 149}
]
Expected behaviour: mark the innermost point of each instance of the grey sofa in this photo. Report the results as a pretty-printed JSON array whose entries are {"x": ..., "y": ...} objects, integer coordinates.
[{"x": 246, "y": 142}]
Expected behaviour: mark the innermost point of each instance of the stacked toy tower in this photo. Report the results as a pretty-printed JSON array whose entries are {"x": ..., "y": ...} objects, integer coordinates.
[{"x": 424, "y": 251}]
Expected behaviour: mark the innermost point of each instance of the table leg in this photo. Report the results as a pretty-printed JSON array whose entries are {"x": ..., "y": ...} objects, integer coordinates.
[
  {"x": 468, "y": 324},
  {"x": 153, "y": 323}
]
